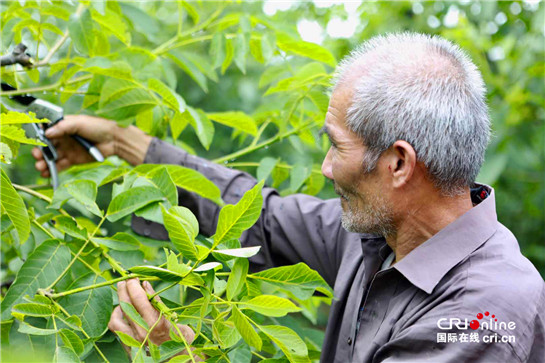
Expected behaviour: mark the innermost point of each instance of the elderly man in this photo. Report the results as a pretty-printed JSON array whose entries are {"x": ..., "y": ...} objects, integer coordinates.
[{"x": 422, "y": 270}]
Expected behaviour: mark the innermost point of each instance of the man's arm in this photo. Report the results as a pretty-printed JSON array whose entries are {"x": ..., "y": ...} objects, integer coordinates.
[{"x": 290, "y": 230}]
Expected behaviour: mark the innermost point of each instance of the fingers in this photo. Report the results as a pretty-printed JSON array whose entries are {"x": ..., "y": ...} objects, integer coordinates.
[
  {"x": 149, "y": 290},
  {"x": 188, "y": 333},
  {"x": 117, "y": 323},
  {"x": 139, "y": 299},
  {"x": 124, "y": 296},
  {"x": 37, "y": 154},
  {"x": 69, "y": 126}
]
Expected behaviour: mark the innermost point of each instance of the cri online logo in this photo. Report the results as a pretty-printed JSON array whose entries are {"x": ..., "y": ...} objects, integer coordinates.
[{"x": 447, "y": 324}]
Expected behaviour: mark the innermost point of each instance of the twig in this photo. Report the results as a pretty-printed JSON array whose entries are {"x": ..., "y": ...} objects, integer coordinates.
[{"x": 263, "y": 144}]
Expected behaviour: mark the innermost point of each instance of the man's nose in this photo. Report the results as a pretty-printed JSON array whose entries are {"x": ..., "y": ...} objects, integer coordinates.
[{"x": 327, "y": 166}]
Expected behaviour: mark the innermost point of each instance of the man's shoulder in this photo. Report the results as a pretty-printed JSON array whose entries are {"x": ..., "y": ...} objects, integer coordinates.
[
  {"x": 499, "y": 278},
  {"x": 499, "y": 265}
]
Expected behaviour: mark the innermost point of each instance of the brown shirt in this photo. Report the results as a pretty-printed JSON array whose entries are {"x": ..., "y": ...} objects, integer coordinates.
[{"x": 465, "y": 295}]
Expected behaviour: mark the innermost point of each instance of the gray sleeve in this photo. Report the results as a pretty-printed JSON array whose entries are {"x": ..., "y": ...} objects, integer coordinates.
[{"x": 297, "y": 228}]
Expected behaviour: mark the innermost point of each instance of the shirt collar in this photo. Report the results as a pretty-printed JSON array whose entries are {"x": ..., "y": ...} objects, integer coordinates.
[{"x": 427, "y": 264}]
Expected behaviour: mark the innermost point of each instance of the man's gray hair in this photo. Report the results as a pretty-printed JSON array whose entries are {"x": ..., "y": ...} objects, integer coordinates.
[{"x": 424, "y": 90}]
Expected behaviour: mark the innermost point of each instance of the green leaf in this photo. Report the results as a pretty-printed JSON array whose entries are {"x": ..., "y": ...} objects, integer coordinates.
[
  {"x": 128, "y": 340},
  {"x": 299, "y": 173},
  {"x": 193, "y": 13},
  {"x": 190, "y": 68},
  {"x": 305, "y": 49},
  {"x": 207, "y": 266},
  {"x": 182, "y": 227},
  {"x": 245, "y": 328},
  {"x": 65, "y": 355},
  {"x": 73, "y": 321},
  {"x": 241, "y": 50},
  {"x": 120, "y": 242},
  {"x": 72, "y": 341},
  {"x": 129, "y": 104},
  {"x": 234, "y": 219},
  {"x": 202, "y": 125},
  {"x": 169, "y": 96},
  {"x": 17, "y": 134},
  {"x": 225, "y": 333},
  {"x": 113, "y": 23},
  {"x": 69, "y": 226},
  {"x": 14, "y": 207},
  {"x": 255, "y": 50},
  {"x": 174, "y": 265},
  {"x": 193, "y": 181},
  {"x": 5, "y": 153},
  {"x": 81, "y": 33},
  {"x": 270, "y": 305},
  {"x": 30, "y": 309},
  {"x": 114, "y": 88},
  {"x": 132, "y": 314},
  {"x": 299, "y": 279},
  {"x": 202, "y": 64},
  {"x": 217, "y": 49},
  {"x": 272, "y": 74},
  {"x": 12, "y": 117},
  {"x": 104, "y": 66},
  {"x": 245, "y": 252},
  {"x": 131, "y": 200},
  {"x": 163, "y": 181},
  {"x": 166, "y": 275},
  {"x": 32, "y": 330},
  {"x": 93, "y": 306},
  {"x": 41, "y": 268},
  {"x": 177, "y": 124},
  {"x": 85, "y": 192},
  {"x": 265, "y": 168},
  {"x": 237, "y": 277},
  {"x": 288, "y": 341},
  {"x": 229, "y": 53},
  {"x": 235, "y": 119}
]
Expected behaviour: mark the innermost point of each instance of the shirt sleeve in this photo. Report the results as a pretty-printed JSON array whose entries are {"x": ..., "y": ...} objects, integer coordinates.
[{"x": 292, "y": 229}]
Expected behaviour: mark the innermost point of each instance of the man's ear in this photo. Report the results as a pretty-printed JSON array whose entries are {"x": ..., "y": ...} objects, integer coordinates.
[{"x": 401, "y": 163}]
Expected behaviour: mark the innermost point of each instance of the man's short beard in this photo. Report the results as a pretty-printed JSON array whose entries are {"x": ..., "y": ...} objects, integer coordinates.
[{"x": 375, "y": 217}]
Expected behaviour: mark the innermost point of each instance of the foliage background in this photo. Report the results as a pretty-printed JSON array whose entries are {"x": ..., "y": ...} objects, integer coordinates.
[{"x": 505, "y": 40}]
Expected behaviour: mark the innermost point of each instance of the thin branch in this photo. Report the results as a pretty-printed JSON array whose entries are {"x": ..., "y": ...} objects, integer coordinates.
[
  {"x": 59, "y": 43},
  {"x": 263, "y": 144},
  {"x": 44, "y": 88},
  {"x": 32, "y": 192}
]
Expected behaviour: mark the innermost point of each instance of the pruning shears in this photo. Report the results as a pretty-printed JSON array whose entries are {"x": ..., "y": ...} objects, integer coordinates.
[{"x": 43, "y": 110}]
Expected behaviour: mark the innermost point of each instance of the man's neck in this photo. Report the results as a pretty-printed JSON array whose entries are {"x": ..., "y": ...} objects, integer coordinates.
[{"x": 425, "y": 220}]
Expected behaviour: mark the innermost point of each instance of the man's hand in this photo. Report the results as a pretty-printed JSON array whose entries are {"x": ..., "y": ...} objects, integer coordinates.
[
  {"x": 132, "y": 292},
  {"x": 128, "y": 143}
]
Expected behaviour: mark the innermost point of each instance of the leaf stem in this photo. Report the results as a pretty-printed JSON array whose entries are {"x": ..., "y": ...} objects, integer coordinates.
[
  {"x": 148, "y": 334},
  {"x": 94, "y": 286},
  {"x": 255, "y": 164},
  {"x": 44, "y": 88},
  {"x": 32, "y": 192},
  {"x": 257, "y": 354},
  {"x": 163, "y": 290},
  {"x": 82, "y": 330},
  {"x": 263, "y": 144},
  {"x": 77, "y": 255}
]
